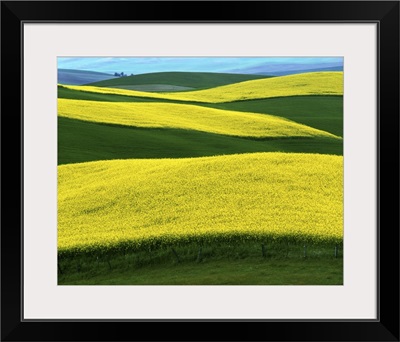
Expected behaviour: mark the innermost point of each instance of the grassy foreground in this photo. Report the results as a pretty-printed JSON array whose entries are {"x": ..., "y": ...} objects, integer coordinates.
[{"x": 249, "y": 263}]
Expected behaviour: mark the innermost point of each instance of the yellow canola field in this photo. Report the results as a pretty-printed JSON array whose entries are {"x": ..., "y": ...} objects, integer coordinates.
[
  {"x": 128, "y": 204},
  {"x": 315, "y": 83},
  {"x": 170, "y": 115}
]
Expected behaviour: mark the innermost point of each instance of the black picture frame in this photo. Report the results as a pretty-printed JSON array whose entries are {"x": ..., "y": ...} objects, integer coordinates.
[{"x": 15, "y": 328}]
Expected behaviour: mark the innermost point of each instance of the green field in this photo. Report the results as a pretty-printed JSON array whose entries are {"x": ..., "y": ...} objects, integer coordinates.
[
  {"x": 317, "y": 83},
  {"x": 188, "y": 117},
  {"x": 82, "y": 141},
  {"x": 199, "y": 80},
  {"x": 321, "y": 112},
  {"x": 217, "y": 264},
  {"x": 160, "y": 172}
]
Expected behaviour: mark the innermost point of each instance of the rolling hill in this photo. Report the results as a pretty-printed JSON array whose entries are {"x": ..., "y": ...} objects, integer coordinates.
[
  {"x": 134, "y": 204},
  {"x": 182, "y": 116},
  {"x": 324, "y": 112},
  {"x": 302, "y": 71},
  {"x": 319, "y": 83},
  {"x": 197, "y": 80},
  {"x": 82, "y": 141},
  {"x": 249, "y": 170}
]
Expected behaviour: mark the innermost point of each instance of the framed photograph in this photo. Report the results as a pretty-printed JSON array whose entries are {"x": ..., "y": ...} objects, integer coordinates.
[{"x": 200, "y": 171}]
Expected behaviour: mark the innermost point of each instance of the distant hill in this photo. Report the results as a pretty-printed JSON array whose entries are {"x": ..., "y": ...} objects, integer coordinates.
[
  {"x": 191, "y": 80},
  {"x": 291, "y": 72},
  {"x": 287, "y": 69},
  {"x": 313, "y": 83},
  {"x": 79, "y": 77}
]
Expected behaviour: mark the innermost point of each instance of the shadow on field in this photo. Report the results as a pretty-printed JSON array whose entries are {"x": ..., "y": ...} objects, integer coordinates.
[{"x": 217, "y": 264}]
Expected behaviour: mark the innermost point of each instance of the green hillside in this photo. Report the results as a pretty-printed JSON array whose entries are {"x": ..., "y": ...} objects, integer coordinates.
[
  {"x": 317, "y": 111},
  {"x": 198, "y": 80},
  {"x": 318, "y": 83},
  {"x": 82, "y": 141},
  {"x": 183, "y": 116}
]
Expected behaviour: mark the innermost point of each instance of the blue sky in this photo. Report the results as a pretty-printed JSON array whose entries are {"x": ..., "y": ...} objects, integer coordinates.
[{"x": 251, "y": 65}]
